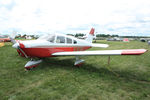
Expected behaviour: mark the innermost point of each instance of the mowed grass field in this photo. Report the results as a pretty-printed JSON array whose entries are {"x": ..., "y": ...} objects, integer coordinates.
[{"x": 126, "y": 78}]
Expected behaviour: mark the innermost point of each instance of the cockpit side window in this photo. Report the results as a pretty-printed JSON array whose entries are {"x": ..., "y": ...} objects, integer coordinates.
[
  {"x": 69, "y": 41},
  {"x": 60, "y": 39},
  {"x": 74, "y": 41}
]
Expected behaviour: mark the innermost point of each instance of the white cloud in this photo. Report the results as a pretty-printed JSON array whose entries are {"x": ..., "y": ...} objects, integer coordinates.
[
  {"x": 5, "y": 2},
  {"x": 71, "y": 16}
]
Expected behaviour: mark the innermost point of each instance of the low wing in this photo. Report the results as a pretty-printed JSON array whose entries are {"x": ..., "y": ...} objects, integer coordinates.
[
  {"x": 100, "y": 45},
  {"x": 102, "y": 52}
]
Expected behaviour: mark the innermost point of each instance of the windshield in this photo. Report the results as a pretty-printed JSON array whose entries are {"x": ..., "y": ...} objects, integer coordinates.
[{"x": 48, "y": 37}]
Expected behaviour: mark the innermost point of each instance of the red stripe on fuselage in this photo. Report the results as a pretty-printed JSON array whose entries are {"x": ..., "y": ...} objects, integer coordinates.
[{"x": 48, "y": 51}]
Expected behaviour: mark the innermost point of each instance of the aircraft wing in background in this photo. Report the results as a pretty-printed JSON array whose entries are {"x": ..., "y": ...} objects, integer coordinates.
[{"x": 100, "y": 45}]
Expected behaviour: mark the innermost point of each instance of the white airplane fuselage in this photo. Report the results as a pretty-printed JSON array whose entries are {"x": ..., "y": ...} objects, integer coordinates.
[{"x": 43, "y": 48}]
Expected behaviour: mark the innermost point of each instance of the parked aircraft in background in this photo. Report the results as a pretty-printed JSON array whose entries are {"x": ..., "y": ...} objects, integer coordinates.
[
  {"x": 54, "y": 45},
  {"x": 4, "y": 38}
]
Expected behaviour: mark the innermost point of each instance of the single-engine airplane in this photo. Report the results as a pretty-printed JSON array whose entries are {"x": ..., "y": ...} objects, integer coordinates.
[
  {"x": 3, "y": 39},
  {"x": 52, "y": 45}
]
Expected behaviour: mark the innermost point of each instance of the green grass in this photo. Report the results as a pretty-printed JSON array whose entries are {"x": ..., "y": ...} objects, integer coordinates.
[{"x": 126, "y": 78}]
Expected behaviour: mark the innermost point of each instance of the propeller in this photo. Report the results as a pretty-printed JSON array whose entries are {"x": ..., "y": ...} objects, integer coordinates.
[
  {"x": 12, "y": 37},
  {"x": 19, "y": 46},
  {"x": 22, "y": 51}
]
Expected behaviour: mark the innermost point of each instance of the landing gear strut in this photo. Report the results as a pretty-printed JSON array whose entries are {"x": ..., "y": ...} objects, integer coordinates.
[{"x": 78, "y": 61}]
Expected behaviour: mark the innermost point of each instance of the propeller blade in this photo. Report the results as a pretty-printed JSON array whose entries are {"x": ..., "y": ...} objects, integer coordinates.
[
  {"x": 19, "y": 46},
  {"x": 22, "y": 51}
]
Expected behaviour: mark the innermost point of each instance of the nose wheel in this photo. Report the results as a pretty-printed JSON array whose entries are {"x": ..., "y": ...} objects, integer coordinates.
[{"x": 32, "y": 64}]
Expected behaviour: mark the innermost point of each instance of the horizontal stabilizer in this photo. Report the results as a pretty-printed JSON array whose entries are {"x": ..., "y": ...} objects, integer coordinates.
[
  {"x": 100, "y": 45},
  {"x": 102, "y": 52}
]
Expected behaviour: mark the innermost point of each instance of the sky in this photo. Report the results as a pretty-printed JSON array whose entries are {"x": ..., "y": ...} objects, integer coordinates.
[{"x": 122, "y": 17}]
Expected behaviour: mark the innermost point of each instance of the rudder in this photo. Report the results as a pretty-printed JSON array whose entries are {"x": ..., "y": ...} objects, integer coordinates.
[{"x": 90, "y": 35}]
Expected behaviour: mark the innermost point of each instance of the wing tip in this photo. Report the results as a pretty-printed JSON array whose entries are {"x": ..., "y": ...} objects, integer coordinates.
[{"x": 133, "y": 52}]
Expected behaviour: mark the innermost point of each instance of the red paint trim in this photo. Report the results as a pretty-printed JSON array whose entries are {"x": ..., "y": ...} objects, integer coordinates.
[
  {"x": 21, "y": 45},
  {"x": 47, "y": 52},
  {"x": 92, "y": 31},
  {"x": 20, "y": 53},
  {"x": 133, "y": 52},
  {"x": 32, "y": 66},
  {"x": 78, "y": 65}
]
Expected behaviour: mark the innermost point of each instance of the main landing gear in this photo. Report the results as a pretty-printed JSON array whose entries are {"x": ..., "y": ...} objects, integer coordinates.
[
  {"x": 34, "y": 63},
  {"x": 78, "y": 61}
]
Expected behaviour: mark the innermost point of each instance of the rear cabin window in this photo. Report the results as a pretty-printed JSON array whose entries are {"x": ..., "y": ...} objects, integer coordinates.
[
  {"x": 60, "y": 39},
  {"x": 69, "y": 41},
  {"x": 75, "y": 42}
]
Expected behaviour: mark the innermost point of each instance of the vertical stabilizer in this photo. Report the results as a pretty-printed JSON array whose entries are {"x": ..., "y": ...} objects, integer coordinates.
[{"x": 90, "y": 36}]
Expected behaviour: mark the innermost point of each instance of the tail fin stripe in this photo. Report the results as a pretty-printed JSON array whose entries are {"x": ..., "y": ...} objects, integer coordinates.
[{"x": 92, "y": 31}]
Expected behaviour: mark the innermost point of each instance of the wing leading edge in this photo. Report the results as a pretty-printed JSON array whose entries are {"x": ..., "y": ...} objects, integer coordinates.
[{"x": 102, "y": 52}]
